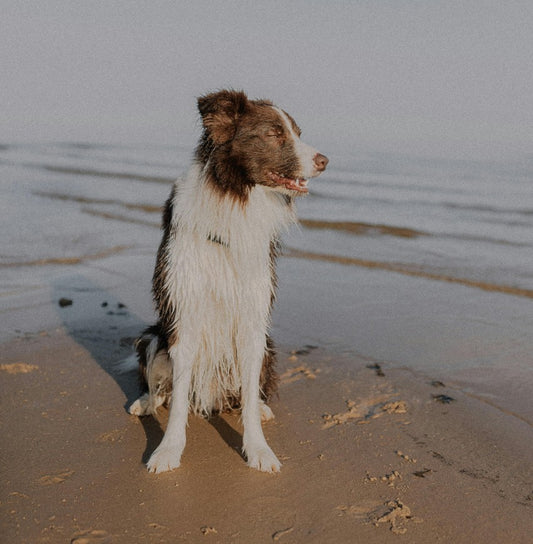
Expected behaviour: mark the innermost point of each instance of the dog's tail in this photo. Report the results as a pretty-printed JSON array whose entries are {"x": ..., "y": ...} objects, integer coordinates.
[
  {"x": 148, "y": 346},
  {"x": 125, "y": 366}
]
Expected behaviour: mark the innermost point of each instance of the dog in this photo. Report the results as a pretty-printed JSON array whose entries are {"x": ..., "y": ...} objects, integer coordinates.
[{"x": 214, "y": 281}]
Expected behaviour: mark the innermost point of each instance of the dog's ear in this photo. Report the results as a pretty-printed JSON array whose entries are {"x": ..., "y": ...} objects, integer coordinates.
[{"x": 220, "y": 113}]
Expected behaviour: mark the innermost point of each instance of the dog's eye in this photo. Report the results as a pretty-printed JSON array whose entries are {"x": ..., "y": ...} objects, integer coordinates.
[{"x": 275, "y": 132}]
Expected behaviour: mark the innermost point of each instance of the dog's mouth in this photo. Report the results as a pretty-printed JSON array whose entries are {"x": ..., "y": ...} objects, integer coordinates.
[{"x": 293, "y": 184}]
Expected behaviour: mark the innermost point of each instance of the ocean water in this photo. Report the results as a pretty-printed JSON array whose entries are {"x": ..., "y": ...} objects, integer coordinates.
[{"x": 450, "y": 220}]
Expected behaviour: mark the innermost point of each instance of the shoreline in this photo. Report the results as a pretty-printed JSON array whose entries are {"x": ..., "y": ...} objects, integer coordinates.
[{"x": 477, "y": 339}]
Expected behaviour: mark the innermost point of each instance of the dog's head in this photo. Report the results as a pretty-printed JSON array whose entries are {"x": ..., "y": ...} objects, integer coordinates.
[{"x": 248, "y": 142}]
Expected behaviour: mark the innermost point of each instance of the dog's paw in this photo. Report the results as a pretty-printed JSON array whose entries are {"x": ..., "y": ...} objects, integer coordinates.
[
  {"x": 266, "y": 413},
  {"x": 163, "y": 459},
  {"x": 263, "y": 459},
  {"x": 140, "y": 406}
]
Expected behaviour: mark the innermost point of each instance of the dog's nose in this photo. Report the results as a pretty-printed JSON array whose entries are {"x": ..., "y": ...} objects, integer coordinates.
[{"x": 321, "y": 161}]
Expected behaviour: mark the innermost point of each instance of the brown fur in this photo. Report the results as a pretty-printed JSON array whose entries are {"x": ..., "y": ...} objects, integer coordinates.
[{"x": 240, "y": 139}]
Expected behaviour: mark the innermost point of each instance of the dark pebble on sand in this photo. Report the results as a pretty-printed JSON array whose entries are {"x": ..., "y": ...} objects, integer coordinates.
[
  {"x": 306, "y": 350},
  {"x": 443, "y": 399},
  {"x": 377, "y": 368},
  {"x": 422, "y": 473},
  {"x": 64, "y": 302}
]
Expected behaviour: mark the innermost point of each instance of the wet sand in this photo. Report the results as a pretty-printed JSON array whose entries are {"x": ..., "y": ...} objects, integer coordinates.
[{"x": 372, "y": 451}]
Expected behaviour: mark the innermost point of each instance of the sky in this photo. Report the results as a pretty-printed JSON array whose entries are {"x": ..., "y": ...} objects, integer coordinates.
[{"x": 439, "y": 78}]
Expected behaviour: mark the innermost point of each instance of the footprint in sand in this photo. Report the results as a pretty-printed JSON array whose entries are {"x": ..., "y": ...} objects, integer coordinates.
[
  {"x": 396, "y": 513},
  {"x": 91, "y": 537},
  {"x": 278, "y": 535},
  {"x": 297, "y": 373},
  {"x": 18, "y": 368},
  {"x": 390, "y": 479},
  {"x": 50, "y": 479},
  {"x": 115, "y": 435},
  {"x": 364, "y": 412},
  {"x": 405, "y": 457}
]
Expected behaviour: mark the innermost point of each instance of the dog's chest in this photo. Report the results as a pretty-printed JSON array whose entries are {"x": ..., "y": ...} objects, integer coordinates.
[
  {"x": 219, "y": 242},
  {"x": 222, "y": 266}
]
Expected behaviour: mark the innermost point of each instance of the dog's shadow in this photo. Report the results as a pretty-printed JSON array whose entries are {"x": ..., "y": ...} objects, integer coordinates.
[
  {"x": 102, "y": 324},
  {"x": 232, "y": 438}
]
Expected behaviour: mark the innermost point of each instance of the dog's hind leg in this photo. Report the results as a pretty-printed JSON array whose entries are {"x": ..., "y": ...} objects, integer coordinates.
[
  {"x": 140, "y": 406},
  {"x": 157, "y": 373},
  {"x": 147, "y": 404}
]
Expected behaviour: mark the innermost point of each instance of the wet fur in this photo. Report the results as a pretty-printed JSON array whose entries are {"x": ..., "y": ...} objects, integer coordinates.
[{"x": 214, "y": 281}]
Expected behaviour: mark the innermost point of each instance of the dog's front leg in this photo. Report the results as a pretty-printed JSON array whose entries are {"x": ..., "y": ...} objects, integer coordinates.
[
  {"x": 168, "y": 454},
  {"x": 258, "y": 453}
]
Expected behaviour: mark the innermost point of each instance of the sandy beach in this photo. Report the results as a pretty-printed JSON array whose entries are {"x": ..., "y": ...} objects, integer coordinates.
[
  {"x": 372, "y": 451},
  {"x": 404, "y": 316}
]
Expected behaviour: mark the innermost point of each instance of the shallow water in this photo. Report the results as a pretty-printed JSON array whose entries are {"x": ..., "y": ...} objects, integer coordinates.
[{"x": 450, "y": 219}]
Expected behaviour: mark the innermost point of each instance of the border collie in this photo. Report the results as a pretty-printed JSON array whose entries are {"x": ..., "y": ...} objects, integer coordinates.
[{"x": 214, "y": 278}]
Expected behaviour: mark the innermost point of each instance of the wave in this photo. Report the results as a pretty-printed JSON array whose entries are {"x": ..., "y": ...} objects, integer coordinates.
[
  {"x": 100, "y": 173},
  {"x": 408, "y": 270},
  {"x": 86, "y": 200},
  {"x": 389, "y": 201},
  {"x": 372, "y": 229},
  {"x": 118, "y": 217},
  {"x": 485, "y": 208},
  {"x": 358, "y": 228},
  {"x": 68, "y": 260}
]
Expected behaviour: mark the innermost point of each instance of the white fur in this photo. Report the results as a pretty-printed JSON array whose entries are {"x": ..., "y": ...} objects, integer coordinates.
[
  {"x": 224, "y": 289},
  {"x": 129, "y": 364},
  {"x": 305, "y": 152}
]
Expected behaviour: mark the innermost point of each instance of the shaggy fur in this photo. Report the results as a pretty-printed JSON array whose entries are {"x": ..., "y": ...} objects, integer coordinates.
[{"x": 214, "y": 280}]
